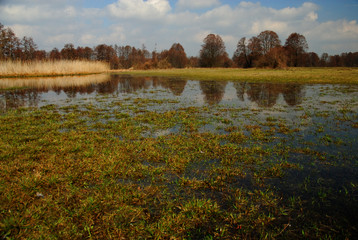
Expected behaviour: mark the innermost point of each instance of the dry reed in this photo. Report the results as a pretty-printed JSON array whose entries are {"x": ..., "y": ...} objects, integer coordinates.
[
  {"x": 48, "y": 68},
  {"x": 53, "y": 82}
]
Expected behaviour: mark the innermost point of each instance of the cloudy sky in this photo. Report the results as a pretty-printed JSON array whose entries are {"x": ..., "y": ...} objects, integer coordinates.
[{"x": 329, "y": 26}]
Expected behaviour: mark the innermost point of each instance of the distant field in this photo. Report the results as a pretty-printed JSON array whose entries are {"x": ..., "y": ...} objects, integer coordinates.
[
  {"x": 50, "y": 68},
  {"x": 299, "y": 75}
]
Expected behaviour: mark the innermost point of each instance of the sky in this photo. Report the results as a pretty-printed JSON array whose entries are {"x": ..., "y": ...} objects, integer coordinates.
[{"x": 329, "y": 26}]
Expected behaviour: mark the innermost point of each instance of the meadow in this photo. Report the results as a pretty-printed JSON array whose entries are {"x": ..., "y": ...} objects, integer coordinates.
[
  {"x": 138, "y": 158},
  {"x": 50, "y": 68},
  {"x": 297, "y": 75}
]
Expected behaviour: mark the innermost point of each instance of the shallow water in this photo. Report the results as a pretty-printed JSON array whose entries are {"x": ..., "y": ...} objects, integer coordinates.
[
  {"x": 264, "y": 96},
  {"x": 321, "y": 112},
  {"x": 315, "y": 126}
]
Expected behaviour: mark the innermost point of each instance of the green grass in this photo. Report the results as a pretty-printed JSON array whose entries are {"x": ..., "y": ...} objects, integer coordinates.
[
  {"x": 101, "y": 171},
  {"x": 297, "y": 75}
]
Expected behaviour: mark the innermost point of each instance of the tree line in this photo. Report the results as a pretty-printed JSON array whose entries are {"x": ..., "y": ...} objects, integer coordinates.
[{"x": 263, "y": 50}]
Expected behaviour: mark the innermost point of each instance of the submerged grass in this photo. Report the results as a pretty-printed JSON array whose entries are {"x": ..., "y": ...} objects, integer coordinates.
[
  {"x": 119, "y": 170},
  {"x": 297, "y": 75},
  {"x": 50, "y": 68}
]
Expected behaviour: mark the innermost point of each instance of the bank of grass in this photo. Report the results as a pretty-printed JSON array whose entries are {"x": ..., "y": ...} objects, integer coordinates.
[
  {"x": 298, "y": 75},
  {"x": 51, "y": 68}
]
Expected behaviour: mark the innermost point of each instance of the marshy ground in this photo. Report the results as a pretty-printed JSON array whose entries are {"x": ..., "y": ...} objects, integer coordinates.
[{"x": 149, "y": 157}]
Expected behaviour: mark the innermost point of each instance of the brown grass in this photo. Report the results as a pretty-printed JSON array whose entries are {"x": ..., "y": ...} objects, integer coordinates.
[
  {"x": 50, "y": 68},
  {"x": 53, "y": 82}
]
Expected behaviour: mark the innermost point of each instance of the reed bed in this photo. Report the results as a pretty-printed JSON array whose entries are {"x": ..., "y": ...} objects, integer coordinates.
[
  {"x": 53, "y": 82},
  {"x": 49, "y": 68}
]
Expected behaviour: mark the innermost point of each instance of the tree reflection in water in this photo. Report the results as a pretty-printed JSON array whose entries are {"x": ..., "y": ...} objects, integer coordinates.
[
  {"x": 176, "y": 85},
  {"x": 240, "y": 90},
  {"x": 28, "y": 91},
  {"x": 263, "y": 94},
  {"x": 15, "y": 99},
  {"x": 267, "y": 94},
  {"x": 293, "y": 94},
  {"x": 130, "y": 84},
  {"x": 214, "y": 91}
]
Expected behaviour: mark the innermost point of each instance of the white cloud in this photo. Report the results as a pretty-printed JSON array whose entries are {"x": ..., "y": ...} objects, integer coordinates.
[
  {"x": 229, "y": 39},
  {"x": 19, "y": 13},
  {"x": 333, "y": 36},
  {"x": 87, "y": 39},
  {"x": 150, "y": 9},
  {"x": 153, "y": 23},
  {"x": 115, "y": 35},
  {"x": 220, "y": 16},
  {"x": 197, "y": 4},
  {"x": 276, "y": 26},
  {"x": 312, "y": 16},
  {"x": 70, "y": 11},
  {"x": 22, "y": 29},
  {"x": 199, "y": 37},
  {"x": 307, "y": 9},
  {"x": 61, "y": 39}
]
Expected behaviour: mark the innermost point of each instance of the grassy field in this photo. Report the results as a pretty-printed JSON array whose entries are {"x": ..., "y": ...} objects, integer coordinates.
[
  {"x": 50, "y": 68},
  {"x": 298, "y": 75}
]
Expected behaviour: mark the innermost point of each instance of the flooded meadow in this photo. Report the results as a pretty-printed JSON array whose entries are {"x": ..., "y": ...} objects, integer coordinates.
[{"x": 118, "y": 156}]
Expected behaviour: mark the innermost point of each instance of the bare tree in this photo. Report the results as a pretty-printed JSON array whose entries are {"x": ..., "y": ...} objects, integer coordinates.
[
  {"x": 9, "y": 44},
  {"x": 28, "y": 48},
  {"x": 213, "y": 52},
  {"x": 85, "y": 53},
  {"x": 241, "y": 55},
  {"x": 177, "y": 56},
  {"x": 55, "y": 54},
  {"x": 275, "y": 58},
  {"x": 248, "y": 52},
  {"x": 69, "y": 52},
  {"x": 268, "y": 40},
  {"x": 296, "y": 46},
  {"x": 107, "y": 53},
  {"x": 324, "y": 60}
]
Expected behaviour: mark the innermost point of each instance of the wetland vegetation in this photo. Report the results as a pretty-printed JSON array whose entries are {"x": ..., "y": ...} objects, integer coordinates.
[
  {"x": 134, "y": 157},
  {"x": 50, "y": 68}
]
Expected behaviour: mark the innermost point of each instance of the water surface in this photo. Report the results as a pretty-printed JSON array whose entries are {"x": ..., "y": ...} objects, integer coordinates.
[
  {"x": 37, "y": 92},
  {"x": 317, "y": 124}
]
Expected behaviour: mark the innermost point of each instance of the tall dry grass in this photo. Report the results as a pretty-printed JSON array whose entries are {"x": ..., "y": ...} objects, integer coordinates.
[
  {"x": 48, "y": 68},
  {"x": 53, "y": 82}
]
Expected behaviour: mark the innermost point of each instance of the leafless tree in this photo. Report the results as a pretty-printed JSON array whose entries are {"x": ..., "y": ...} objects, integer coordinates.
[
  {"x": 296, "y": 46},
  {"x": 268, "y": 40},
  {"x": 213, "y": 52}
]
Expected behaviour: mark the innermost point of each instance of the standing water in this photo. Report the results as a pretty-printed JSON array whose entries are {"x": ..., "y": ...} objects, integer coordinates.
[{"x": 298, "y": 142}]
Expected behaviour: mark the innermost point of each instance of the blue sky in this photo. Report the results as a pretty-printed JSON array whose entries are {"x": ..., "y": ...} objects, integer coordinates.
[
  {"x": 329, "y": 26},
  {"x": 329, "y": 10}
]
